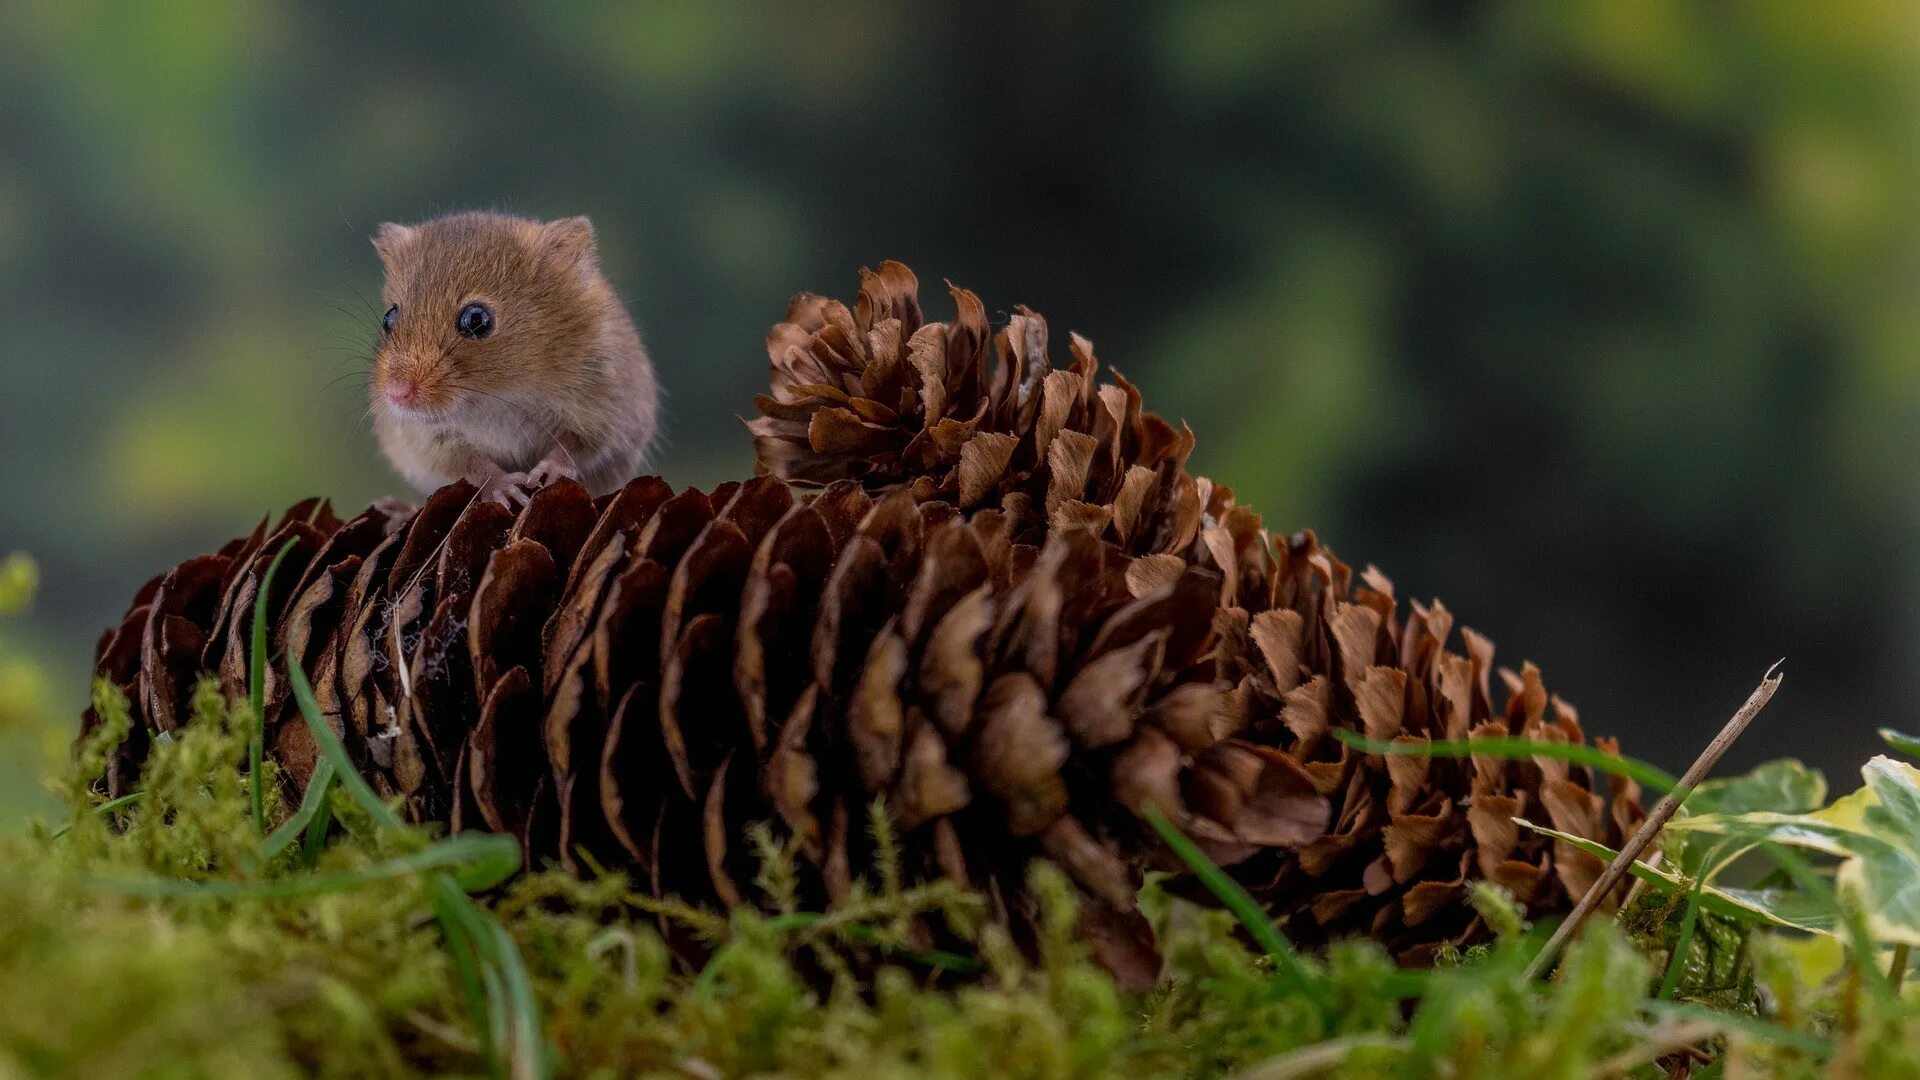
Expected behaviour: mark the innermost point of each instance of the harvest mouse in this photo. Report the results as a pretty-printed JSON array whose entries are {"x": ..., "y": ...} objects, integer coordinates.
[{"x": 505, "y": 358}]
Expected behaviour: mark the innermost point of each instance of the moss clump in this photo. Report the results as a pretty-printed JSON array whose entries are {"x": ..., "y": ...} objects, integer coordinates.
[{"x": 98, "y": 979}]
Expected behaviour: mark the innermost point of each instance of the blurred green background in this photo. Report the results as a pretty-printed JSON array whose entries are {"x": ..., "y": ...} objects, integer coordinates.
[{"x": 1596, "y": 319}]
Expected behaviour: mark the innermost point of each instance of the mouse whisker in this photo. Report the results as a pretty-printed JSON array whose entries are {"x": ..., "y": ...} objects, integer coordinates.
[
  {"x": 336, "y": 381},
  {"x": 373, "y": 312},
  {"x": 356, "y": 297},
  {"x": 355, "y": 316},
  {"x": 353, "y": 351}
]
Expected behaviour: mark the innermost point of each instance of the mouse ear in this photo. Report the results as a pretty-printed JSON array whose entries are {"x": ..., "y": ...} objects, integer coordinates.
[
  {"x": 389, "y": 238},
  {"x": 569, "y": 239}
]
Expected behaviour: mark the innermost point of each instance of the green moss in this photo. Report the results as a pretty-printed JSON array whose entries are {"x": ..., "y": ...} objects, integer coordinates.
[{"x": 95, "y": 982}]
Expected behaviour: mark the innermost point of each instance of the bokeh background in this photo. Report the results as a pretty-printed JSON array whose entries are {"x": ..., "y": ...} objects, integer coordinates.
[{"x": 1599, "y": 320}]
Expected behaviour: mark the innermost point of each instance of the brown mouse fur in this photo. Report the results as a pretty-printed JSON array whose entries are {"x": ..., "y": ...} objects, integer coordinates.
[{"x": 560, "y": 385}]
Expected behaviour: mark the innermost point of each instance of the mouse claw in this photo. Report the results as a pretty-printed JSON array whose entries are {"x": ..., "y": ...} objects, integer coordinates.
[
  {"x": 549, "y": 471},
  {"x": 511, "y": 490}
]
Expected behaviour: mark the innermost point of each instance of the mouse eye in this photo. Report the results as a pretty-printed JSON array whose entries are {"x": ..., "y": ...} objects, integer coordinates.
[
  {"x": 474, "y": 321},
  {"x": 386, "y": 322}
]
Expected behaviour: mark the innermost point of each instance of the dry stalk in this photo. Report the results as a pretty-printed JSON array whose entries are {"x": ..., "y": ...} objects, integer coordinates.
[
  {"x": 1662, "y": 812},
  {"x": 1660, "y": 1042},
  {"x": 1320, "y": 1057}
]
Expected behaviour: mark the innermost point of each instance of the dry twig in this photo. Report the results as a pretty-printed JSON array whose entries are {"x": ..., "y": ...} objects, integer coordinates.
[{"x": 1662, "y": 812}]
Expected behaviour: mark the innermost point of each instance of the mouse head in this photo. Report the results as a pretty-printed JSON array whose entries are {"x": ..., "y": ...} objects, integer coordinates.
[{"x": 481, "y": 307}]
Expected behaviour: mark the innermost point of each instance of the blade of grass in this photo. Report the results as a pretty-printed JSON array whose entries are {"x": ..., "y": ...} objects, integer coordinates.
[
  {"x": 331, "y": 747},
  {"x": 257, "y": 691},
  {"x": 1245, "y": 907},
  {"x": 499, "y": 1031},
  {"x": 474, "y": 860},
  {"x": 107, "y": 807},
  {"x": 1682, "y": 944},
  {"x": 529, "y": 1052},
  {"x": 447, "y": 898},
  {"x": 316, "y": 838},
  {"x": 312, "y": 803},
  {"x": 513, "y": 1013},
  {"x": 1510, "y": 747}
]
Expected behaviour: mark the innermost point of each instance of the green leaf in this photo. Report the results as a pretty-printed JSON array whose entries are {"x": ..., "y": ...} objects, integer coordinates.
[
  {"x": 1896, "y": 786},
  {"x": 1835, "y": 829},
  {"x": 1784, "y": 786},
  {"x": 1884, "y": 877},
  {"x": 1781, "y": 786},
  {"x": 1875, "y": 831},
  {"x": 1796, "y": 906}
]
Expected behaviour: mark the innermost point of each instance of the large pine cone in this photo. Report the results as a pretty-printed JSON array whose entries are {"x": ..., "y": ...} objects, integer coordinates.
[
  {"x": 1017, "y": 661},
  {"x": 641, "y": 679}
]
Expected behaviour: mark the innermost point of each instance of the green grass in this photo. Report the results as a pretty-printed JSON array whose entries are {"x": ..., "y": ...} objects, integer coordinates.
[
  {"x": 164, "y": 938},
  {"x": 199, "y": 928}
]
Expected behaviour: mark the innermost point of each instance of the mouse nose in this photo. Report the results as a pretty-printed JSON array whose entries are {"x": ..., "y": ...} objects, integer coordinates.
[{"x": 403, "y": 394}]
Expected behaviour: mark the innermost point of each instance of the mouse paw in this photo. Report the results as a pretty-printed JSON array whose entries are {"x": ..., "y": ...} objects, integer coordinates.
[
  {"x": 549, "y": 471},
  {"x": 511, "y": 490}
]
